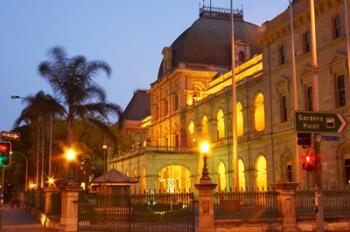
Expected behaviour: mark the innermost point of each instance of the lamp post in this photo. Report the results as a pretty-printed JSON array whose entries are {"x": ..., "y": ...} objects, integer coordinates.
[
  {"x": 104, "y": 147},
  {"x": 70, "y": 155},
  {"x": 204, "y": 148}
]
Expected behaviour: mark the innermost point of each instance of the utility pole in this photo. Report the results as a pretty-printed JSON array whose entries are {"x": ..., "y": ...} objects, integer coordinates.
[{"x": 316, "y": 107}]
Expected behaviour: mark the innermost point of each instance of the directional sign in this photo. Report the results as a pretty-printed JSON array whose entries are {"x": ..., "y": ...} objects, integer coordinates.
[
  {"x": 10, "y": 135},
  {"x": 319, "y": 122}
]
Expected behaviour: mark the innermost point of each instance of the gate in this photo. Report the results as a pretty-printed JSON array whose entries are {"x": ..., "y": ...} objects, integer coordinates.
[{"x": 136, "y": 213}]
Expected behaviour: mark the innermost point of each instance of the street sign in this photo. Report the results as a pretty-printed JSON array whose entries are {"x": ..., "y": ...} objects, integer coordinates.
[
  {"x": 10, "y": 135},
  {"x": 330, "y": 138},
  {"x": 319, "y": 122}
]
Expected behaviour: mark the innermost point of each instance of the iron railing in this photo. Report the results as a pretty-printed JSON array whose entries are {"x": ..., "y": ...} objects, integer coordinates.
[
  {"x": 246, "y": 205},
  {"x": 336, "y": 203},
  {"x": 136, "y": 213}
]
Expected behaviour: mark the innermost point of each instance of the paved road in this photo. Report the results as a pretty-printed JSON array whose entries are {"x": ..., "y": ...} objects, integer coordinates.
[{"x": 18, "y": 220}]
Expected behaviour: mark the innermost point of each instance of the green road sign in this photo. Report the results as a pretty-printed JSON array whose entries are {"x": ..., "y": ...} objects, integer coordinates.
[{"x": 319, "y": 122}]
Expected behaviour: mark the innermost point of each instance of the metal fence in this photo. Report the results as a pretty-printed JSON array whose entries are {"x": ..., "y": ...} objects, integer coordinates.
[
  {"x": 246, "y": 205},
  {"x": 136, "y": 213},
  {"x": 336, "y": 203}
]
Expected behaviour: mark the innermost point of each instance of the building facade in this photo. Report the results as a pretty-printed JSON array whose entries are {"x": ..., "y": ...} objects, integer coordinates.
[{"x": 191, "y": 101}]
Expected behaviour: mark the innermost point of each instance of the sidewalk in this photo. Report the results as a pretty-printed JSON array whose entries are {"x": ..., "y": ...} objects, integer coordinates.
[{"x": 18, "y": 220}]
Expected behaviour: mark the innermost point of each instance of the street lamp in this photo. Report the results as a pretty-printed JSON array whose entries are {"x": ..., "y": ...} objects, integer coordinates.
[
  {"x": 70, "y": 156},
  {"x": 105, "y": 147},
  {"x": 204, "y": 148}
]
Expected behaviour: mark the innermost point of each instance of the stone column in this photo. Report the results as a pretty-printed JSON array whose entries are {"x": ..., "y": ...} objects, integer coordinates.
[
  {"x": 286, "y": 204},
  {"x": 69, "y": 212},
  {"x": 206, "y": 204}
]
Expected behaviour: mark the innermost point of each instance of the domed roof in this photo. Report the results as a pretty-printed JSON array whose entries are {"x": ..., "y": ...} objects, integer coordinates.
[{"x": 208, "y": 40}]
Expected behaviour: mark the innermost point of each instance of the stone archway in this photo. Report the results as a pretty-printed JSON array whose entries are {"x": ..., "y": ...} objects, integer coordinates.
[{"x": 174, "y": 178}]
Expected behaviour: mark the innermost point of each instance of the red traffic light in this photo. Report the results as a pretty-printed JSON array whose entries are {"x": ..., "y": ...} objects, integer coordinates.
[
  {"x": 309, "y": 161},
  {"x": 5, "y": 152}
]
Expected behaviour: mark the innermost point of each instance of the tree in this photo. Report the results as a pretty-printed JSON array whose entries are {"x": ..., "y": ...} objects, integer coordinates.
[{"x": 72, "y": 81}]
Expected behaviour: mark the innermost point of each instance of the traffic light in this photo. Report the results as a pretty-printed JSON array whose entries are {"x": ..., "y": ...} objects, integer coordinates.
[
  {"x": 309, "y": 161},
  {"x": 304, "y": 139},
  {"x": 5, "y": 152}
]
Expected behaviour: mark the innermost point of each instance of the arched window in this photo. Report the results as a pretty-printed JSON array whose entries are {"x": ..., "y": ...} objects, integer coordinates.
[
  {"x": 191, "y": 132},
  {"x": 205, "y": 128},
  {"x": 240, "y": 120},
  {"x": 220, "y": 126},
  {"x": 241, "y": 175},
  {"x": 241, "y": 56},
  {"x": 259, "y": 114},
  {"x": 222, "y": 176},
  {"x": 261, "y": 173}
]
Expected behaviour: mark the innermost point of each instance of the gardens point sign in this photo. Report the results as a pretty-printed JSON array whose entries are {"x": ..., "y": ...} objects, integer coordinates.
[{"x": 319, "y": 122}]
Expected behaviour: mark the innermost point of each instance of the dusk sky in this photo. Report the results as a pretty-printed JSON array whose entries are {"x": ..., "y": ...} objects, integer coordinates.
[{"x": 129, "y": 35}]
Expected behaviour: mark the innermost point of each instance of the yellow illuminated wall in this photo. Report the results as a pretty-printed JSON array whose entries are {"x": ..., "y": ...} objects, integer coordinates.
[
  {"x": 240, "y": 121},
  {"x": 261, "y": 174},
  {"x": 222, "y": 176},
  {"x": 205, "y": 128},
  {"x": 259, "y": 114},
  {"x": 241, "y": 175},
  {"x": 220, "y": 126}
]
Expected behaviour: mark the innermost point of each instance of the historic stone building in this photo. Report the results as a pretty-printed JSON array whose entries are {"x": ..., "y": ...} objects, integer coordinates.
[{"x": 191, "y": 101}]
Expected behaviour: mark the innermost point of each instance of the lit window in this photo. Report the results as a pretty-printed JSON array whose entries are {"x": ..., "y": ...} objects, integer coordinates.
[
  {"x": 205, "y": 128},
  {"x": 222, "y": 177},
  {"x": 220, "y": 125},
  {"x": 241, "y": 175},
  {"x": 282, "y": 55},
  {"x": 308, "y": 98},
  {"x": 191, "y": 128},
  {"x": 284, "y": 108},
  {"x": 336, "y": 27},
  {"x": 240, "y": 120},
  {"x": 259, "y": 114},
  {"x": 261, "y": 174},
  {"x": 340, "y": 91},
  {"x": 306, "y": 40}
]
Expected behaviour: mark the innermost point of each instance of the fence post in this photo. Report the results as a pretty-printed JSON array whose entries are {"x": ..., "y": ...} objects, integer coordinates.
[
  {"x": 48, "y": 199},
  {"x": 206, "y": 204},
  {"x": 69, "y": 211},
  {"x": 286, "y": 204}
]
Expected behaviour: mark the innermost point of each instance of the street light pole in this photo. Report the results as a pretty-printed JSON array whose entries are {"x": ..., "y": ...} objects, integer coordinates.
[{"x": 316, "y": 107}]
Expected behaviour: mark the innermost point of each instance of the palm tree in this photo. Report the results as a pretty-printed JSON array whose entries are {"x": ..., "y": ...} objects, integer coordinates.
[
  {"x": 80, "y": 97},
  {"x": 38, "y": 113}
]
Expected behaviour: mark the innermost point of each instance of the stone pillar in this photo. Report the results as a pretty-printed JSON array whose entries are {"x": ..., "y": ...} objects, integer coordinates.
[
  {"x": 48, "y": 202},
  {"x": 286, "y": 204},
  {"x": 69, "y": 211},
  {"x": 206, "y": 204}
]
